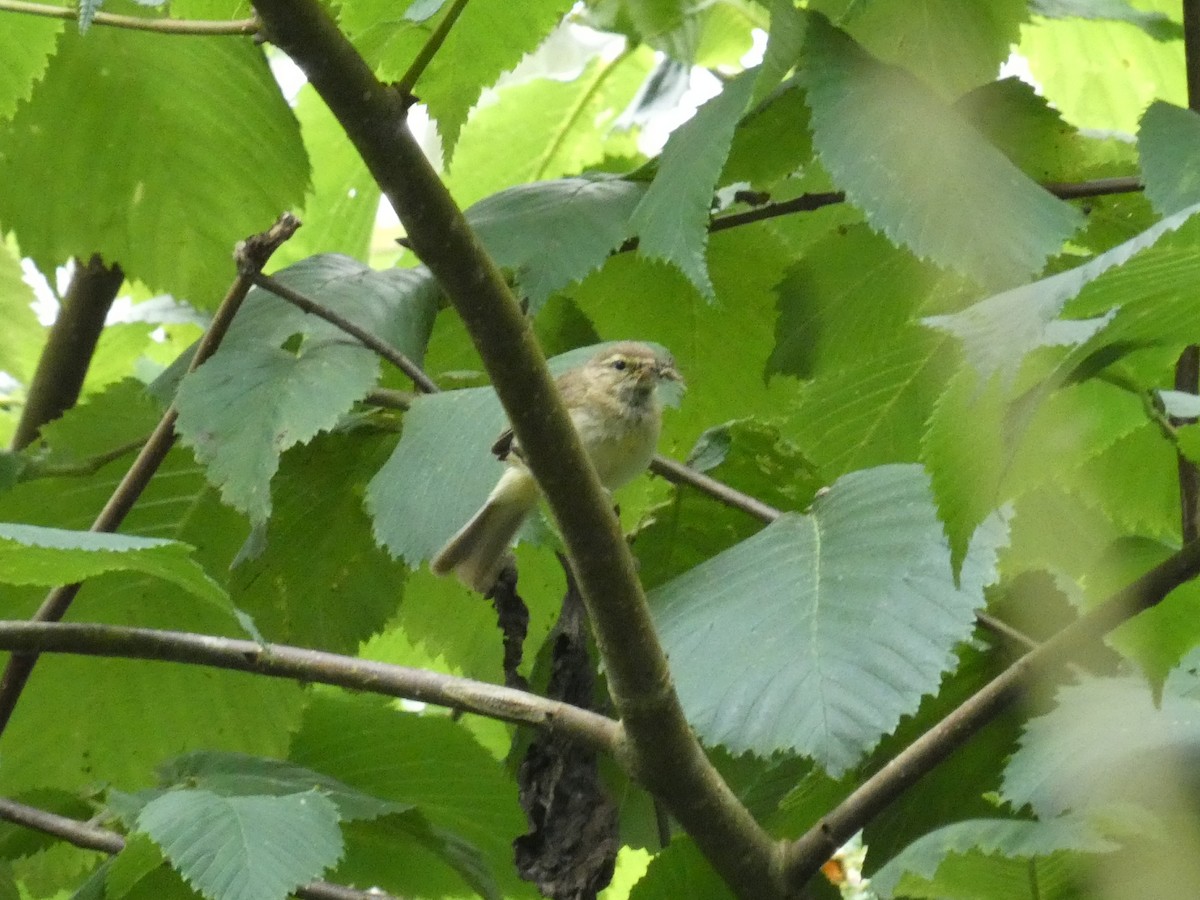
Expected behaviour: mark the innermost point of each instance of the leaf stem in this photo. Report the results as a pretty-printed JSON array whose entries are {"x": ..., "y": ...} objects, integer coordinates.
[
  {"x": 425, "y": 56},
  {"x": 136, "y": 23},
  {"x": 252, "y": 254}
]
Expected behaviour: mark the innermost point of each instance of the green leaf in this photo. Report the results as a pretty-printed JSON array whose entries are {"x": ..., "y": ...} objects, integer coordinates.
[
  {"x": 1167, "y": 146},
  {"x": 51, "y": 556},
  {"x": 126, "y": 112},
  {"x": 1157, "y": 25},
  {"x": 26, "y": 44},
  {"x": 865, "y": 577},
  {"x": 245, "y": 848},
  {"x": 239, "y": 774},
  {"x": 256, "y": 397},
  {"x": 1010, "y": 838},
  {"x": 671, "y": 221},
  {"x": 556, "y": 232},
  {"x": 1071, "y": 60},
  {"x": 680, "y": 871},
  {"x": 951, "y": 45},
  {"x": 998, "y": 332},
  {"x": 1107, "y": 741},
  {"x": 920, "y": 174},
  {"x": 22, "y": 335},
  {"x": 486, "y": 40},
  {"x": 428, "y": 761},
  {"x": 548, "y": 127},
  {"x": 772, "y": 140}
]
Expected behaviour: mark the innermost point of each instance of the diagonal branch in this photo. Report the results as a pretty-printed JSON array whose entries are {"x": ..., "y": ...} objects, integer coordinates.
[
  {"x": 284, "y": 661},
  {"x": 252, "y": 254},
  {"x": 658, "y": 745},
  {"x": 805, "y": 856},
  {"x": 429, "y": 50}
]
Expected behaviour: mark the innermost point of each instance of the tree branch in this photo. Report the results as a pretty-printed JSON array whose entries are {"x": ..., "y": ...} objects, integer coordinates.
[
  {"x": 252, "y": 254},
  {"x": 284, "y": 661},
  {"x": 69, "y": 348},
  {"x": 135, "y": 23},
  {"x": 659, "y": 747},
  {"x": 90, "y": 837},
  {"x": 805, "y": 856}
]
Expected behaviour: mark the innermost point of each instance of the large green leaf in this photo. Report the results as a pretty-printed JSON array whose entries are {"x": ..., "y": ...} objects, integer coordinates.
[
  {"x": 30, "y": 554},
  {"x": 258, "y": 395},
  {"x": 1158, "y": 25},
  {"x": 245, "y": 848},
  {"x": 919, "y": 173},
  {"x": 1167, "y": 143},
  {"x": 952, "y": 45},
  {"x": 828, "y": 605},
  {"x": 680, "y": 871},
  {"x": 1010, "y": 838},
  {"x": 671, "y": 221},
  {"x": 553, "y": 233},
  {"x": 126, "y": 112}
]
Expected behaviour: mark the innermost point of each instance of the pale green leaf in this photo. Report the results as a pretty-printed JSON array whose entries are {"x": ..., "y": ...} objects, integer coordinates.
[
  {"x": 680, "y": 871},
  {"x": 920, "y": 173},
  {"x": 1072, "y": 61},
  {"x": 820, "y": 602},
  {"x": 244, "y": 848},
  {"x": 1167, "y": 142},
  {"x": 1108, "y": 741},
  {"x": 1011, "y": 838},
  {"x": 951, "y": 45},
  {"x": 998, "y": 332},
  {"x": 258, "y": 395},
  {"x": 123, "y": 113},
  {"x": 671, "y": 221},
  {"x": 30, "y": 554},
  {"x": 553, "y": 233},
  {"x": 21, "y": 337}
]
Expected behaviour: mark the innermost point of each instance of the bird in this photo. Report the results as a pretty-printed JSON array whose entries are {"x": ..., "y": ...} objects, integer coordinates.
[{"x": 614, "y": 405}]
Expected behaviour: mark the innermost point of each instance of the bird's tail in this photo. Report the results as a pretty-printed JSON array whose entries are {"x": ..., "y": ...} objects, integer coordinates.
[{"x": 479, "y": 550}]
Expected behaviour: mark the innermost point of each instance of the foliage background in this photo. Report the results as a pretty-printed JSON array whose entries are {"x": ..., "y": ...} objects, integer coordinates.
[{"x": 979, "y": 369}]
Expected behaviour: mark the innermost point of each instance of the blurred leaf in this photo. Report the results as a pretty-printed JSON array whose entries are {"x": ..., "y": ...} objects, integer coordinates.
[
  {"x": 680, "y": 871},
  {"x": 1107, "y": 741},
  {"x": 245, "y": 848},
  {"x": 1156, "y": 24},
  {"x": 671, "y": 220},
  {"x": 1010, "y": 838},
  {"x": 126, "y": 111},
  {"x": 22, "y": 335},
  {"x": 26, "y": 44},
  {"x": 863, "y": 578},
  {"x": 920, "y": 174},
  {"x": 30, "y": 554},
  {"x": 553, "y": 233},
  {"x": 1170, "y": 162},
  {"x": 1071, "y": 60},
  {"x": 951, "y": 45},
  {"x": 258, "y": 395}
]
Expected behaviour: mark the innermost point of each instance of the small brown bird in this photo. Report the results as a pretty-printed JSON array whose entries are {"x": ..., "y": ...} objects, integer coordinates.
[{"x": 614, "y": 405}]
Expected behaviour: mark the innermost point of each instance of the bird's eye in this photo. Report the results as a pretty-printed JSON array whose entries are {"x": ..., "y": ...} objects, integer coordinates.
[{"x": 619, "y": 364}]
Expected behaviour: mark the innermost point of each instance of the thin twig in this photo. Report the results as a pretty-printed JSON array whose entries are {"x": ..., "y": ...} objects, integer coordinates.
[
  {"x": 136, "y": 23},
  {"x": 425, "y": 56},
  {"x": 91, "y": 837},
  {"x": 383, "y": 348},
  {"x": 284, "y": 661},
  {"x": 252, "y": 254},
  {"x": 89, "y": 466},
  {"x": 805, "y": 856}
]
